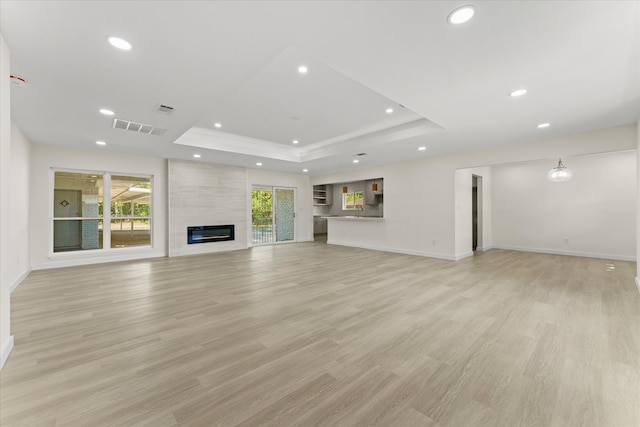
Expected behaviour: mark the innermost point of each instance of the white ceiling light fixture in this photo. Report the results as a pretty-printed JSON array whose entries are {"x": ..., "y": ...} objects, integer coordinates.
[
  {"x": 389, "y": 110},
  {"x": 106, "y": 112},
  {"x": 461, "y": 15},
  {"x": 258, "y": 164},
  {"x": 295, "y": 141},
  {"x": 303, "y": 69},
  {"x": 197, "y": 156},
  {"x": 119, "y": 43},
  {"x": 101, "y": 143},
  {"x": 518, "y": 92},
  {"x": 422, "y": 148},
  {"x": 139, "y": 190},
  {"x": 356, "y": 161},
  {"x": 544, "y": 125},
  {"x": 305, "y": 170},
  {"x": 218, "y": 125},
  {"x": 559, "y": 173}
]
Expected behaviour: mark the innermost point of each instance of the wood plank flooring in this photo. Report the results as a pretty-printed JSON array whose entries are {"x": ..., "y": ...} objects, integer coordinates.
[{"x": 311, "y": 334}]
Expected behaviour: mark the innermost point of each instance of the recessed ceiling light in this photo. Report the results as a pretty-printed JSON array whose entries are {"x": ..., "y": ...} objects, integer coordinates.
[
  {"x": 218, "y": 125},
  {"x": 518, "y": 92},
  {"x": 106, "y": 112},
  {"x": 197, "y": 156},
  {"x": 389, "y": 110},
  {"x": 461, "y": 15},
  {"x": 101, "y": 143},
  {"x": 303, "y": 69},
  {"x": 356, "y": 161},
  {"x": 119, "y": 43},
  {"x": 258, "y": 164},
  {"x": 295, "y": 141},
  {"x": 422, "y": 148},
  {"x": 544, "y": 125},
  {"x": 305, "y": 170}
]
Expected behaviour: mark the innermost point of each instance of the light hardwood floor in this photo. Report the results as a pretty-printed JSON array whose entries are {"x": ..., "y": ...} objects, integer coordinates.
[{"x": 309, "y": 334}]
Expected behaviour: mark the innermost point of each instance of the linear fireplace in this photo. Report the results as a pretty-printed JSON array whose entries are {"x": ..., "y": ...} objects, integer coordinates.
[{"x": 210, "y": 233}]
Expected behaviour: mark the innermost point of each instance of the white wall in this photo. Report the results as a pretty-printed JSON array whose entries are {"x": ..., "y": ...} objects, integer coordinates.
[
  {"x": 45, "y": 158},
  {"x": 206, "y": 194},
  {"x": 14, "y": 205},
  {"x": 638, "y": 205},
  {"x": 464, "y": 211},
  {"x": 593, "y": 214},
  {"x": 420, "y": 216},
  {"x": 6, "y": 339},
  {"x": 20, "y": 266},
  {"x": 486, "y": 238},
  {"x": 304, "y": 198}
]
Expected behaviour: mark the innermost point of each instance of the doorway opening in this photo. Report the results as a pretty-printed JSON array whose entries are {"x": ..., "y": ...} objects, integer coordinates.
[
  {"x": 272, "y": 215},
  {"x": 476, "y": 211}
]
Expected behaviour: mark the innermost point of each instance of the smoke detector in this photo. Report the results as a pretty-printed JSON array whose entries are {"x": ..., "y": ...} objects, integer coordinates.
[
  {"x": 17, "y": 80},
  {"x": 163, "y": 109}
]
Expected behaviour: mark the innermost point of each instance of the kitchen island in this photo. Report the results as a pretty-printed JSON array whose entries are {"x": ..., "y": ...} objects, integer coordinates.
[{"x": 360, "y": 232}]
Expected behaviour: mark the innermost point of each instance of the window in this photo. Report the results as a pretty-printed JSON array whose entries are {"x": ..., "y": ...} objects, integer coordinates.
[
  {"x": 353, "y": 200},
  {"x": 130, "y": 211},
  {"x": 80, "y": 221},
  {"x": 77, "y": 217}
]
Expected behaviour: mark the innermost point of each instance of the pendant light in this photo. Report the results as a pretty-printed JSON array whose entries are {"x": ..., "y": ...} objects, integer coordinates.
[{"x": 560, "y": 173}]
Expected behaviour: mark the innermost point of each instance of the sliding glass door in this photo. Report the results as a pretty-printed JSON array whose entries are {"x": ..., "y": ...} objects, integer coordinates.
[{"x": 272, "y": 215}]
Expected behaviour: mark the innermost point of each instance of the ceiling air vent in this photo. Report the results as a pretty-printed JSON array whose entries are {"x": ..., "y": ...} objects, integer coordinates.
[
  {"x": 137, "y": 127},
  {"x": 164, "y": 109}
]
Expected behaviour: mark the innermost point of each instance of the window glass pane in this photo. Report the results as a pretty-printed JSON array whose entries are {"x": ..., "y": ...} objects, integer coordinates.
[
  {"x": 77, "y": 234},
  {"x": 284, "y": 210},
  {"x": 359, "y": 198},
  {"x": 262, "y": 216},
  {"x": 77, "y": 195},
  {"x": 130, "y": 211},
  {"x": 348, "y": 201},
  {"x": 130, "y": 196},
  {"x": 130, "y": 232}
]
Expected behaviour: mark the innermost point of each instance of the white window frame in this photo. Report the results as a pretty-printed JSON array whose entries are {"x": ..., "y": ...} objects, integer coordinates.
[{"x": 106, "y": 213}]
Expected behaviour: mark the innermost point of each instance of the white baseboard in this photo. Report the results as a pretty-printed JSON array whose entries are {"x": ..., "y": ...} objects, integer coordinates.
[
  {"x": 638, "y": 283},
  {"x": 569, "y": 253},
  {"x": 395, "y": 250},
  {"x": 19, "y": 280},
  {"x": 6, "y": 350},
  {"x": 88, "y": 259},
  {"x": 464, "y": 255},
  {"x": 484, "y": 248}
]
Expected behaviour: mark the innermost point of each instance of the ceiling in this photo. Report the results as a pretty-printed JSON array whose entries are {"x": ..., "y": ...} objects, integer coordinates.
[{"x": 236, "y": 64}]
